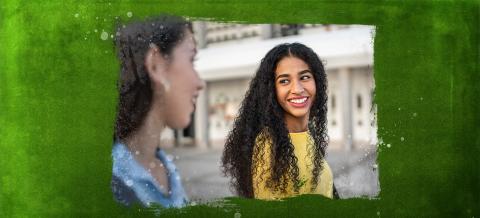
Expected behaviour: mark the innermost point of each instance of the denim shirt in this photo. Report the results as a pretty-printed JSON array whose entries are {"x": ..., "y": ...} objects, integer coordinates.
[{"x": 131, "y": 182}]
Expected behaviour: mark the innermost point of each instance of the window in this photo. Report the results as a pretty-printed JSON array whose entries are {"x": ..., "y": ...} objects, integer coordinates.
[
  {"x": 359, "y": 102},
  {"x": 333, "y": 102}
]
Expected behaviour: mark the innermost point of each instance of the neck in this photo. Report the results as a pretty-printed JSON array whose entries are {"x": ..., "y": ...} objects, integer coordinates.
[
  {"x": 144, "y": 142},
  {"x": 295, "y": 124}
]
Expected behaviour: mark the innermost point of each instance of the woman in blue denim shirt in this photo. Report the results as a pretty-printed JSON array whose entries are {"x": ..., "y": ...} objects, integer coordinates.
[{"x": 158, "y": 87}]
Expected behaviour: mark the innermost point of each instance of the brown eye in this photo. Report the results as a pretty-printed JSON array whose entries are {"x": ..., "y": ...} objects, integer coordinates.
[
  {"x": 305, "y": 77},
  {"x": 283, "y": 81}
]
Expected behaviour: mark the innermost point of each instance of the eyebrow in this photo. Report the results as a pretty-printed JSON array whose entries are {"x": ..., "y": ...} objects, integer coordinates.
[{"x": 299, "y": 73}]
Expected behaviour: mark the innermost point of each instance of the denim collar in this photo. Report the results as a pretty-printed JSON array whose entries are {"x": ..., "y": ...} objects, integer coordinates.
[{"x": 146, "y": 188}]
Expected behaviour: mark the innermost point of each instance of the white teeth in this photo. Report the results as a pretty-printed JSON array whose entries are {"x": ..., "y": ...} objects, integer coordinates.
[{"x": 298, "y": 101}]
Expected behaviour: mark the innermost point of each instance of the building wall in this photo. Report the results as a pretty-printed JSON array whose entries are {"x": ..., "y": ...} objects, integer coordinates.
[
  {"x": 224, "y": 99},
  {"x": 334, "y": 113},
  {"x": 362, "y": 111},
  {"x": 225, "y": 96},
  {"x": 351, "y": 123}
]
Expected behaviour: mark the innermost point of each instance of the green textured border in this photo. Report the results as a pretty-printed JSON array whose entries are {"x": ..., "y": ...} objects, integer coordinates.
[{"x": 58, "y": 99}]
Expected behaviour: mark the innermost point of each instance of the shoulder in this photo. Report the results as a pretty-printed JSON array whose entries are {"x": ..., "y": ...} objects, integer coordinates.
[
  {"x": 262, "y": 144},
  {"x": 326, "y": 169},
  {"x": 261, "y": 151},
  {"x": 263, "y": 137},
  {"x": 325, "y": 185},
  {"x": 122, "y": 193},
  {"x": 120, "y": 173}
]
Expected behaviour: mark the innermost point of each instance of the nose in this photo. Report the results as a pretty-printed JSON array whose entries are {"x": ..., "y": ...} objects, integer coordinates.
[{"x": 297, "y": 88}]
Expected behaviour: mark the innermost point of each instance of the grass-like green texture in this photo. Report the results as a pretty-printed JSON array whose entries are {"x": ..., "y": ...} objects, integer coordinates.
[{"x": 58, "y": 101}]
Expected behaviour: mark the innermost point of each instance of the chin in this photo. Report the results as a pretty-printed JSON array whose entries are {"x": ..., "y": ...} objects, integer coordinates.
[
  {"x": 301, "y": 116},
  {"x": 180, "y": 123},
  {"x": 298, "y": 114}
]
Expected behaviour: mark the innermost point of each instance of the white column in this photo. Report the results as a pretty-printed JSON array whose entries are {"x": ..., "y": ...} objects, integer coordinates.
[
  {"x": 266, "y": 31},
  {"x": 200, "y": 31},
  {"x": 201, "y": 118},
  {"x": 345, "y": 83}
]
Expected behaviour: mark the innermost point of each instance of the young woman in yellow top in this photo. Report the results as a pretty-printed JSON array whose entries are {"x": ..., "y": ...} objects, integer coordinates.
[{"x": 277, "y": 145}]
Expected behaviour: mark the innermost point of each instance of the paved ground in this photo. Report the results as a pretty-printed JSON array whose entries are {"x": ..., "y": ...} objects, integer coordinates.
[{"x": 355, "y": 173}]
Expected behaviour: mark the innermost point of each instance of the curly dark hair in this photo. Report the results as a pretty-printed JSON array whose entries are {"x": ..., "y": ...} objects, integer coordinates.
[
  {"x": 261, "y": 118},
  {"x": 132, "y": 43}
]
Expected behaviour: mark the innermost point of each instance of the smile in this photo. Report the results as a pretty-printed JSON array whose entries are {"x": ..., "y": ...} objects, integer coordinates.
[{"x": 298, "y": 102}]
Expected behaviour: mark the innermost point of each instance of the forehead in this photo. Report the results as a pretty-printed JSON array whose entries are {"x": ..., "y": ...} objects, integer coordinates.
[
  {"x": 291, "y": 65},
  {"x": 188, "y": 42}
]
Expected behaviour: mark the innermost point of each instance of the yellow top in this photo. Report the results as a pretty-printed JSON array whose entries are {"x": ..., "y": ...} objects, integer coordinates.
[{"x": 305, "y": 166}]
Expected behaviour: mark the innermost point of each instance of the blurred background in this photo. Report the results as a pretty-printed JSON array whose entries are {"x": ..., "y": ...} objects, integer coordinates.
[{"x": 228, "y": 56}]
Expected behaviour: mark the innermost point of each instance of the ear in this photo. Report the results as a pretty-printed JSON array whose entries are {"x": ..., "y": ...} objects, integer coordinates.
[{"x": 155, "y": 64}]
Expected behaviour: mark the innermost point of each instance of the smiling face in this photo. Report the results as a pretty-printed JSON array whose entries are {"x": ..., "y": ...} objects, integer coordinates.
[
  {"x": 295, "y": 88},
  {"x": 180, "y": 84}
]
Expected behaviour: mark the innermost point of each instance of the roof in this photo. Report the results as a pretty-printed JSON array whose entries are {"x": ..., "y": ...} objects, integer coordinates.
[{"x": 344, "y": 47}]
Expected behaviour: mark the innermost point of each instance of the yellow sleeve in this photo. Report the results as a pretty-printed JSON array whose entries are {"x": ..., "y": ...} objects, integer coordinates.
[
  {"x": 303, "y": 148},
  {"x": 325, "y": 186}
]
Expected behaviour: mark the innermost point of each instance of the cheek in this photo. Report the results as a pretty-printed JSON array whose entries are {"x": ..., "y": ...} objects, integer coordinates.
[
  {"x": 183, "y": 73},
  {"x": 179, "y": 97},
  {"x": 181, "y": 93},
  {"x": 177, "y": 112},
  {"x": 179, "y": 76},
  {"x": 281, "y": 94},
  {"x": 278, "y": 93},
  {"x": 312, "y": 90}
]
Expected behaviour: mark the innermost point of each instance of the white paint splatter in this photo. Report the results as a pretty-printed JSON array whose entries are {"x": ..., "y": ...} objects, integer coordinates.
[{"x": 104, "y": 35}]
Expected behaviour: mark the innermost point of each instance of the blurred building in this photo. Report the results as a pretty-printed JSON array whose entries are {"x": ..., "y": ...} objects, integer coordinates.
[{"x": 230, "y": 53}]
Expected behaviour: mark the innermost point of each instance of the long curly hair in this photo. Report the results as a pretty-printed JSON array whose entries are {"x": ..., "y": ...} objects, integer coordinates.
[
  {"x": 132, "y": 42},
  {"x": 261, "y": 119}
]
